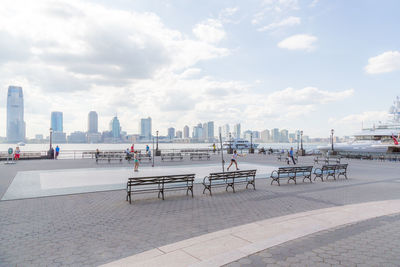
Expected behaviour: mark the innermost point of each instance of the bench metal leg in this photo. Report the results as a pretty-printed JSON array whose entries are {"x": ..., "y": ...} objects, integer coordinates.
[{"x": 276, "y": 180}]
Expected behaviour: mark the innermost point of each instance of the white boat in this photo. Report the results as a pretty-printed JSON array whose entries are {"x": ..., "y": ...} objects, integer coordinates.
[
  {"x": 381, "y": 138},
  {"x": 21, "y": 144},
  {"x": 239, "y": 143}
]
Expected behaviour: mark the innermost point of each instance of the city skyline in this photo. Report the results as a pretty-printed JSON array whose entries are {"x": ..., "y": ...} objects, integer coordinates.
[{"x": 307, "y": 64}]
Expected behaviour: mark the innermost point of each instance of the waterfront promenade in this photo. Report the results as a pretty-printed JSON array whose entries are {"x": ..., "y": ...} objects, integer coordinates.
[{"x": 96, "y": 228}]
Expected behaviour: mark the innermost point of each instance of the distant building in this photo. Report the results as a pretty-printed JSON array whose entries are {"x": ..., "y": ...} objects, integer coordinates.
[
  {"x": 57, "y": 121},
  {"x": 171, "y": 133},
  {"x": 275, "y": 135},
  {"x": 292, "y": 138},
  {"x": 247, "y": 135},
  {"x": 210, "y": 131},
  {"x": 265, "y": 136},
  {"x": 39, "y": 136},
  {"x": 77, "y": 137},
  {"x": 93, "y": 122},
  {"x": 179, "y": 134},
  {"x": 186, "y": 132},
  {"x": 58, "y": 128},
  {"x": 256, "y": 135},
  {"x": 205, "y": 131},
  {"x": 225, "y": 131},
  {"x": 115, "y": 129},
  {"x": 15, "y": 114},
  {"x": 237, "y": 131},
  {"x": 145, "y": 128},
  {"x": 284, "y": 136},
  {"x": 197, "y": 132}
]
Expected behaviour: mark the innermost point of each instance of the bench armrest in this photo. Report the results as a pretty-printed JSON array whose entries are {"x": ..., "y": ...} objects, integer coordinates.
[{"x": 272, "y": 173}]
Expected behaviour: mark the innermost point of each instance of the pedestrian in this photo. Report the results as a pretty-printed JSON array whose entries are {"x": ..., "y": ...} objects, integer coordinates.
[
  {"x": 136, "y": 160},
  {"x": 97, "y": 153},
  {"x": 127, "y": 154},
  {"x": 17, "y": 153},
  {"x": 291, "y": 154},
  {"x": 214, "y": 148},
  {"x": 57, "y": 151},
  {"x": 147, "y": 150},
  {"x": 234, "y": 160},
  {"x": 132, "y": 148}
]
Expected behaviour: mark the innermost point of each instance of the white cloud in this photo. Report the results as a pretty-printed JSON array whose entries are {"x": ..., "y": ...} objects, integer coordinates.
[
  {"x": 299, "y": 42},
  {"x": 385, "y": 62},
  {"x": 210, "y": 31},
  {"x": 353, "y": 123},
  {"x": 274, "y": 7},
  {"x": 314, "y": 3},
  {"x": 290, "y": 21}
]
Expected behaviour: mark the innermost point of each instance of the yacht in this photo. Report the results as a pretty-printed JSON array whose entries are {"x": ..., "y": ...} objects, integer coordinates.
[
  {"x": 239, "y": 143},
  {"x": 381, "y": 138}
]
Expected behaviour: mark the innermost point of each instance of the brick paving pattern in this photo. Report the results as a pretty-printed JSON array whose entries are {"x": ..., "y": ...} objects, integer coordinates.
[{"x": 95, "y": 228}]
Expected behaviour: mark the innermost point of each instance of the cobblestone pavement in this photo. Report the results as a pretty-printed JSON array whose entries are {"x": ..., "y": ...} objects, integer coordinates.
[
  {"x": 374, "y": 242},
  {"x": 95, "y": 228}
]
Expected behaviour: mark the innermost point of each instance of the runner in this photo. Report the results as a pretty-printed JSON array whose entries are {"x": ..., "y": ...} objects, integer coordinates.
[
  {"x": 136, "y": 159},
  {"x": 234, "y": 160}
]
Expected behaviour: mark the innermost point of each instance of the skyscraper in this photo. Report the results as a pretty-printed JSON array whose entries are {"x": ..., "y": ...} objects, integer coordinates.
[
  {"x": 115, "y": 128},
  {"x": 225, "y": 131},
  {"x": 210, "y": 130},
  {"x": 57, "y": 121},
  {"x": 15, "y": 114},
  {"x": 237, "y": 131},
  {"x": 186, "y": 131},
  {"x": 145, "y": 128},
  {"x": 93, "y": 122},
  {"x": 171, "y": 133}
]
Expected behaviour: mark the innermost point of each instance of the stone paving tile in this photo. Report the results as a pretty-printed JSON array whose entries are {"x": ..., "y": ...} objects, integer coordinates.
[
  {"x": 96, "y": 228},
  {"x": 327, "y": 247}
]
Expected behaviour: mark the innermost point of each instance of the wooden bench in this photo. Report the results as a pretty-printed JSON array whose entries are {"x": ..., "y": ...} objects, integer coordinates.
[
  {"x": 327, "y": 160},
  {"x": 171, "y": 156},
  {"x": 229, "y": 179},
  {"x": 287, "y": 159},
  {"x": 331, "y": 170},
  {"x": 109, "y": 157},
  {"x": 199, "y": 156},
  {"x": 291, "y": 173},
  {"x": 159, "y": 184}
]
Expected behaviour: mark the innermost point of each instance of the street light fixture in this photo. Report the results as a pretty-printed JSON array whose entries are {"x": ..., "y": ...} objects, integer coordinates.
[
  {"x": 230, "y": 144},
  {"x": 332, "y": 132},
  {"x": 49, "y": 153},
  {"x": 298, "y": 140},
  {"x": 158, "y": 153},
  {"x": 301, "y": 142},
  {"x": 251, "y": 144}
]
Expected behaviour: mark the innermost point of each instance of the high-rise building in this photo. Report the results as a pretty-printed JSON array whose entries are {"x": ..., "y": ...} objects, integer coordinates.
[
  {"x": 93, "y": 122},
  {"x": 210, "y": 130},
  {"x": 284, "y": 136},
  {"x": 265, "y": 136},
  {"x": 115, "y": 128},
  {"x": 205, "y": 131},
  {"x": 225, "y": 131},
  {"x": 145, "y": 128},
  {"x": 171, "y": 133},
  {"x": 186, "y": 131},
  {"x": 57, "y": 121},
  {"x": 15, "y": 114},
  {"x": 275, "y": 135},
  {"x": 197, "y": 132},
  {"x": 179, "y": 134},
  {"x": 237, "y": 131}
]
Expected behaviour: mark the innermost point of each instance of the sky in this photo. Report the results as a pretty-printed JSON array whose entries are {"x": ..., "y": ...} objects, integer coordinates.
[{"x": 309, "y": 65}]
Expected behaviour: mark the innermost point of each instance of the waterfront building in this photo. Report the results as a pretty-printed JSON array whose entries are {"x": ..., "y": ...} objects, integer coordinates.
[
  {"x": 247, "y": 135},
  {"x": 186, "y": 131},
  {"x": 237, "y": 131},
  {"x": 171, "y": 133},
  {"x": 210, "y": 131},
  {"x": 57, "y": 124},
  {"x": 225, "y": 131},
  {"x": 39, "y": 136},
  {"x": 205, "y": 131},
  {"x": 292, "y": 138},
  {"x": 115, "y": 129},
  {"x": 77, "y": 137},
  {"x": 197, "y": 132},
  {"x": 93, "y": 122},
  {"x": 179, "y": 134},
  {"x": 284, "y": 136},
  {"x": 265, "y": 136},
  {"x": 275, "y": 135},
  {"x": 145, "y": 128},
  {"x": 15, "y": 114},
  {"x": 256, "y": 135}
]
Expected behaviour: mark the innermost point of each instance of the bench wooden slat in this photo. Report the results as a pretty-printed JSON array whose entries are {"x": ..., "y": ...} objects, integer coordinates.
[{"x": 229, "y": 179}]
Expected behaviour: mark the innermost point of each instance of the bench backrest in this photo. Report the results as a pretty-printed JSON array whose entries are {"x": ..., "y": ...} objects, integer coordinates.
[
  {"x": 329, "y": 167},
  {"x": 136, "y": 181},
  {"x": 231, "y": 175},
  {"x": 303, "y": 169},
  {"x": 286, "y": 170},
  {"x": 181, "y": 178}
]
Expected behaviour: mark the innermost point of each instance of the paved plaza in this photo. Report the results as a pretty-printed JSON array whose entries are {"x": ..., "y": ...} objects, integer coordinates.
[{"x": 90, "y": 229}]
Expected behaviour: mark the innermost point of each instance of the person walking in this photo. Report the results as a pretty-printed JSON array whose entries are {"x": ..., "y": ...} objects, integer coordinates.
[
  {"x": 17, "y": 153},
  {"x": 291, "y": 154},
  {"x": 214, "y": 148},
  {"x": 57, "y": 151},
  {"x": 147, "y": 150},
  {"x": 132, "y": 148},
  {"x": 234, "y": 160},
  {"x": 136, "y": 160}
]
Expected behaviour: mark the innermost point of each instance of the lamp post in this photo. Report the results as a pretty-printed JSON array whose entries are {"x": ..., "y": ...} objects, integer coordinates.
[
  {"x": 301, "y": 142},
  {"x": 332, "y": 132},
  {"x": 158, "y": 152},
  {"x": 50, "y": 147},
  {"x": 230, "y": 144},
  {"x": 251, "y": 144},
  {"x": 152, "y": 165},
  {"x": 298, "y": 141}
]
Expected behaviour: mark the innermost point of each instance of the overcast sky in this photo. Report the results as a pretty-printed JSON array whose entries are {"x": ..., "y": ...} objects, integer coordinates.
[{"x": 306, "y": 64}]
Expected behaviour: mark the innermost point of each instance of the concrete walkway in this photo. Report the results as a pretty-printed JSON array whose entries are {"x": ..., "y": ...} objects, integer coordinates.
[{"x": 222, "y": 247}]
